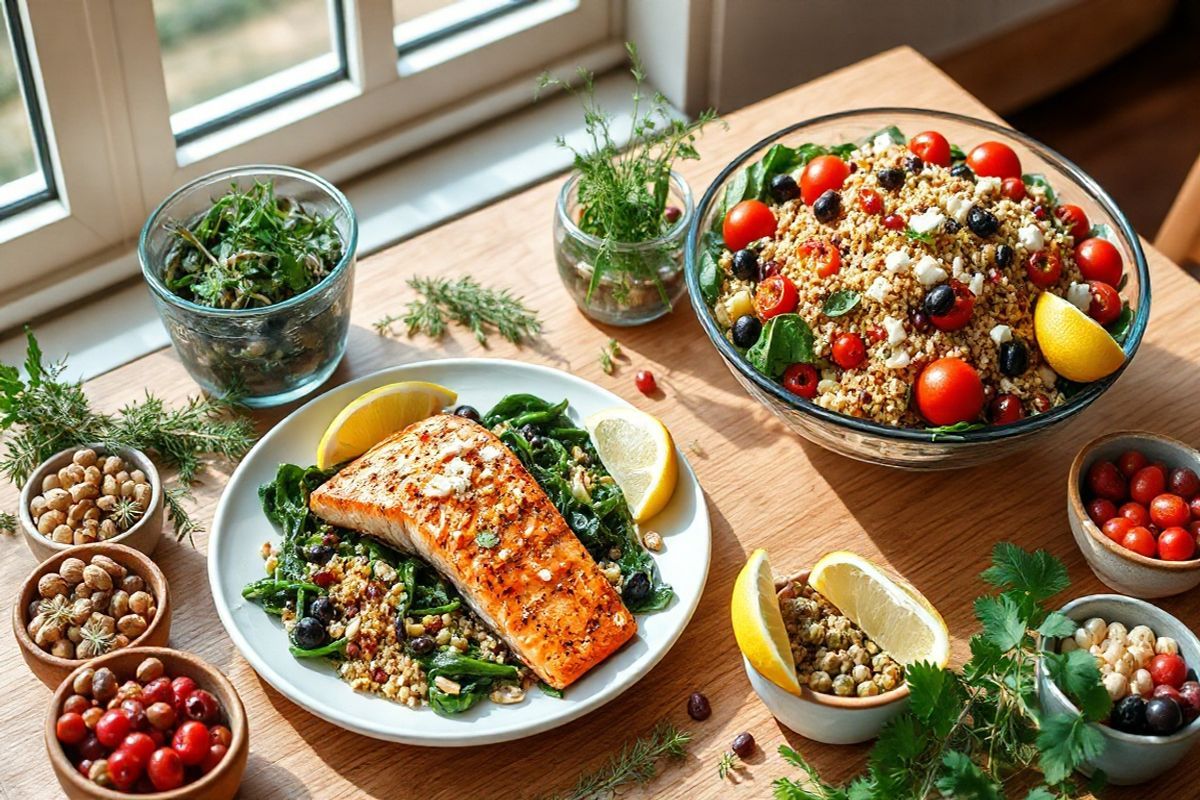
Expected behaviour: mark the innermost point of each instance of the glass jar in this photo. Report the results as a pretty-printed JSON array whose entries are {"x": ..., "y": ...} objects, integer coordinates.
[
  {"x": 263, "y": 356},
  {"x": 639, "y": 281}
]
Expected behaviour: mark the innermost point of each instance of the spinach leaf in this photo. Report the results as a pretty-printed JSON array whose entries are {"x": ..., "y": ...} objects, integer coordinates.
[
  {"x": 843, "y": 150},
  {"x": 892, "y": 132},
  {"x": 785, "y": 340},
  {"x": 949, "y": 431},
  {"x": 1119, "y": 328},
  {"x": 1039, "y": 180},
  {"x": 475, "y": 678},
  {"x": 840, "y": 302},
  {"x": 335, "y": 648},
  {"x": 711, "y": 276},
  {"x": 957, "y": 154}
]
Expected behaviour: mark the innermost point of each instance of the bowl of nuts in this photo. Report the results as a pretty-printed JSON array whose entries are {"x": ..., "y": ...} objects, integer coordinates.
[
  {"x": 85, "y": 602},
  {"x": 86, "y": 494}
]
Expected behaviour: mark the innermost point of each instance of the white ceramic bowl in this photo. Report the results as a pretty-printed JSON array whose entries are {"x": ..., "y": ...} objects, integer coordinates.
[
  {"x": 1118, "y": 567},
  {"x": 1127, "y": 758}
]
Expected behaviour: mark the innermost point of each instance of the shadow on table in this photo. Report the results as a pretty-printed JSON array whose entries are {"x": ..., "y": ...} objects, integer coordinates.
[{"x": 266, "y": 780}]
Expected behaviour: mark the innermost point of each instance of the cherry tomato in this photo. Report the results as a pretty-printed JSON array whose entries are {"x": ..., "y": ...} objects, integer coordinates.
[
  {"x": 959, "y": 313},
  {"x": 113, "y": 727},
  {"x": 202, "y": 706},
  {"x": 1184, "y": 482},
  {"x": 1176, "y": 544},
  {"x": 165, "y": 769},
  {"x": 1146, "y": 484},
  {"x": 994, "y": 160},
  {"x": 645, "y": 382},
  {"x": 1105, "y": 480},
  {"x": 70, "y": 728},
  {"x": 1099, "y": 260},
  {"x": 1141, "y": 541},
  {"x": 215, "y": 753},
  {"x": 823, "y": 255},
  {"x": 774, "y": 296},
  {"x": 141, "y": 745},
  {"x": 1013, "y": 189},
  {"x": 1169, "y": 669},
  {"x": 1194, "y": 506},
  {"x": 1169, "y": 511},
  {"x": 124, "y": 769},
  {"x": 948, "y": 391},
  {"x": 191, "y": 742},
  {"x": 181, "y": 687},
  {"x": 1101, "y": 510},
  {"x": 820, "y": 175},
  {"x": 931, "y": 147},
  {"x": 1136, "y": 513},
  {"x": 894, "y": 222},
  {"x": 1005, "y": 409},
  {"x": 1130, "y": 462},
  {"x": 220, "y": 734},
  {"x": 870, "y": 201},
  {"x": 1106, "y": 303},
  {"x": 1074, "y": 220},
  {"x": 849, "y": 350},
  {"x": 91, "y": 749},
  {"x": 158, "y": 691},
  {"x": 801, "y": 379},
  {"x": 748, "y": 221},
  {"x": 1116, "y": 528},
  {"x": 1044, "y": 268}
]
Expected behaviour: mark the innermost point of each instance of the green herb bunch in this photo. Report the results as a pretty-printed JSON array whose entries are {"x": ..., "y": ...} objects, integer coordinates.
[
  {"x": 967, "y": 733},
  {"x": 44, "y": 414},
  {"x": 465, "y": 301},
  {"x": 637, "y": 763}
]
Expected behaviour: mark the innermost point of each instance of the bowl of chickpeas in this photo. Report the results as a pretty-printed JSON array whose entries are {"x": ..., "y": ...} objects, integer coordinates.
[{"x": 87, "y": 494}]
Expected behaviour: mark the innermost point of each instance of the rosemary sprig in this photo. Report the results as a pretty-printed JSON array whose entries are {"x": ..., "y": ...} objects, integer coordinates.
[
  {"x": 729, "y": 762},
  {"x": 637, "y": 763},
  {"x": 608, "y": 352},
  {"x": 8, "y": 522},
  {"x": 466, "y": 302}
]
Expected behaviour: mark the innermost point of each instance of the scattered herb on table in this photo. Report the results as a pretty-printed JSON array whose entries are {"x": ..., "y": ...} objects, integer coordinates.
[
  {"x": 727, "y": 763},
  {"x": 43, "y": 414},
  {"x": 610, "y": 351},
  {"x": 966, "y": 733},
  {"x": 8, "y": 522},
  {"x": 466, "y": 302},
  {"x": 637, "y": 763}
]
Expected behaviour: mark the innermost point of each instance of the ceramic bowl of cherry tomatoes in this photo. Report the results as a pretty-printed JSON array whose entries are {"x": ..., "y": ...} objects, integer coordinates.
[
  {"x": 1133, "y": 500},
  {"x": 147, "y": 721}
]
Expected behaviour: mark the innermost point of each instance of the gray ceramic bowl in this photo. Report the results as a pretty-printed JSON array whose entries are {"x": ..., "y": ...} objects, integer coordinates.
[
  {"x": 1127, "y": 758},
  {"x": 1118, "y": 567}
]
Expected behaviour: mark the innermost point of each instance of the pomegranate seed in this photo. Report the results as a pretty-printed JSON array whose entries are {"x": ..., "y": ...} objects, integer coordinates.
[
  {"x": 323, "y": 578},
  {"x": 379, "y": 676},
  {"x": 893, "y": 222},
  {"x": 645, "y": 382}
]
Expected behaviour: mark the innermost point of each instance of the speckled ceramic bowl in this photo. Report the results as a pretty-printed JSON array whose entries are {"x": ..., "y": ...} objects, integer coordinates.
[{"x": 1118, "y": 567}]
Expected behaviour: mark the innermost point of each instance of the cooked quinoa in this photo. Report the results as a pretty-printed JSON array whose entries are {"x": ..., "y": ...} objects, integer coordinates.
[{"x": 892, "y": 274}]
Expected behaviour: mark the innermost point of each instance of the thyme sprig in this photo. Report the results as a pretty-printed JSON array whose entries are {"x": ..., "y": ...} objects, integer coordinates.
[
  {"x": 464, "y": 301},
  {"x": 637, "y": 763},
  {"x": 728, "y": 763},
  {"x": 610, "y": 351}
]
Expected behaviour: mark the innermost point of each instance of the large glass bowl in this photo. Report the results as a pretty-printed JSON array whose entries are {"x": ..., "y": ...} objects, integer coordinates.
[
  {"x": 906, "y": 447},
  {"x": 262, "y": 356}
]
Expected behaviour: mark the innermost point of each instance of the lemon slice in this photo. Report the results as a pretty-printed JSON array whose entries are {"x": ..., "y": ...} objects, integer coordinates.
[
  {"x": 637, "y": 450},
  {"x": 758, "y": 624},
  {"x": 376, "y": 415},
  {"x": 889, "y": 610},
  {"x": 1074, "y": 344}
]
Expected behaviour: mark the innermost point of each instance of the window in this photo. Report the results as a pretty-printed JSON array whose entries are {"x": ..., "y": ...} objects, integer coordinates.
[
  {"x": 25, "y": 177},
  {"x": 422, "y": 22}
]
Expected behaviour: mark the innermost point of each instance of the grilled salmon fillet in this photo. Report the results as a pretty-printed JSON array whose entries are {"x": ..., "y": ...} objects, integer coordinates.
[{"x": 448, "y": 490}]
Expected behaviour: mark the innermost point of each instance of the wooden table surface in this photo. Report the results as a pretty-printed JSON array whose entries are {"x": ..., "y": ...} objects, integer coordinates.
[{"x": 765, "y": 487}]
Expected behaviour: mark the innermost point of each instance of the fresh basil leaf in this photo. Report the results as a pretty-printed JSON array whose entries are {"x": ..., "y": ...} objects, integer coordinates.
[
  {"x": 778, "y": 160},
  {"x": 927, "y": 238},
  {"x": 844, "y": 150},
  {"x": 957, "y": 154},
  {"x": 1119, "y": 328},
  {"x": 808, "y": 151},
  {"x": 1103, "y": 230},
  {"x": 1039, "y": 180},
  {"x": 487, "y": 539},
  {"x": 710, "y": 275},
  {"x": 840, "y": 302},
  {"x": 892, "y": 132},
  {"x": 785, "y": 340},
  {"x": 736, "y": 191}
]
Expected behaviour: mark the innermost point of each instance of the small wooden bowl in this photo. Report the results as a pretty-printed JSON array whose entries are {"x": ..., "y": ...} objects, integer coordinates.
[
  {"x": 220, "y": 784},
  {"x": 143, "y": 535},
  {"x": 50, "y": 669}
]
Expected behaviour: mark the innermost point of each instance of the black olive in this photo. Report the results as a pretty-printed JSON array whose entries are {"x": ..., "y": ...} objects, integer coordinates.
[
  {"x": 308, "y": 633},
  {"x": 828, "y": 206},
  {"x": 939, "y": 300},
  {"x": 467, "y": 412},
  {"x": 745, "y": 264},
  {"x": 766, "y": 269},
  {"x": 322, "y": 610},
  {"x": 319, "y": 554},
  {"x": 530, "y": 432},
  {"x": 1129, "y": 714},
  {"x": 637, "y": 587},
  {"x": 961, "y": 170},
  {"x": 950, "y": 226},
  {"x": 784, "y": 188},
  {"x": 421, "y": 645},
  {"x": 1014, "y": 358},
  {"x": 914, "y": 164},
  {"x": 1004, "y": 255},
  {"x": 982, "y": 222},
  {"x": 746, "y": 330},
  {"x": 1163, "y": 716},
  {"x": 698, "y": 707},
  {"x": 743, "y": 745},
  {"x": 890, "y": 178}
]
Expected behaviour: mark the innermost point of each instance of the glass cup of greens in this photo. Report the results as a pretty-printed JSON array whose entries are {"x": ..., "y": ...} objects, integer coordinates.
[{"x": 252, "y": 269}]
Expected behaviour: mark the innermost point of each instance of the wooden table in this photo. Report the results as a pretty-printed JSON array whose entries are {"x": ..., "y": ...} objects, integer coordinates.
[{"x": 766, "y": 488}]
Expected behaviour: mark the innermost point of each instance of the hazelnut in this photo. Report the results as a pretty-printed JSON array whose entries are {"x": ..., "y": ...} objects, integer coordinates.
[
  {"x": 75, "y": 634},
  {"x": 63, "y": 648},
  {"x": 118, "y": 604},
  {"x": 87, "y": 534},
  {"x": 115, "y": 570},
  {"x": 137, "y": 476},
  {"x": 127, "y": 488},
  {"x": 93, "y": 476},
  {"x": 76, "y": 472},
  {"x": 84, "y": 491},
  {"x": 142, "y": 493},
  {"x": 85, "y": 457},
  {"x": 36, "y": 506},
  {"x": 51, "y": 585},
  {"x": 141, "y": 603},
  {"x": 47, "y": 635},
  {"x": 92, "y": 716},
  {"x": 75, "y": 514},
  {"x": 132, "y": 625},
  {"x": 132, "y": 583},
  {"x": 108, "y": 529},
  {"x": 97, "y": 577},
  {"x": 109, "y": 486},
  {"x": 72, "y": 570},
  {"x": 65, "y": 480},
  {"x": 119, "y": 641},
  {"x": 100, "y": 601},
  {"x": 112, "y": 465},
  {"x": 82, "y": 590},
  {"x": 149, "y": 669},
  {"x": 104, "y": 685},
  {"x": 82, "y": 684},
  {"x": 50, "y": 482},
  {"x": 81, "y": 610},
  {"x": 122, "y": 476},
  {"x": 63, "y": 534}
]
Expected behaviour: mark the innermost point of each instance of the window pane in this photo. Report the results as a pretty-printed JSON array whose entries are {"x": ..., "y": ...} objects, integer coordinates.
[
  {"x": 21, "y": 177},
  {"x": 421, "y": 22},
  {"x": 225, "y": 58}
]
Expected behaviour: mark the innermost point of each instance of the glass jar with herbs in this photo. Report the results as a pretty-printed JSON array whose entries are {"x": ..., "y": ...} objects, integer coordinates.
[{"x": 252, "y": 270}]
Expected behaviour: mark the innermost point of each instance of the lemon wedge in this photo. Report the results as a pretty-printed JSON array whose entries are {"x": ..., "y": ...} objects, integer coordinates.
[
  {"x": 758, "y": 624},
  {"x": 376, "y": 415},
  {"x": 1074, "y": 344},
  {"x": 889, "y": 610},
  {"x": 637, "y": 450}
]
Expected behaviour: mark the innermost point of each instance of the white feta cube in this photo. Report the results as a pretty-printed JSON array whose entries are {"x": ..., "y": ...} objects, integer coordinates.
[
  {"x": 985, "y": 187},
  {"x": 927, "y": 222},
  {"x": 958, "y": 266},
  {"x": 1001, "y": 334},
  {"x": 882, "y": 142},
  {"x": 1080, "y": 296},
  {"x": 878, "y": 289},
  {"x": 898, "y": 359},
  {"x": 928, "y": 271},
  {"x": 827, "y": 386},
  {"x": 897, "y": 261},
  {"x": 895, "y": 330},
  {"x": 1049, "y": 376},
  {"x": 1031, "y": 238},
  {"x": 958, "y": 206},
  {"x": 976, "y": 284}
]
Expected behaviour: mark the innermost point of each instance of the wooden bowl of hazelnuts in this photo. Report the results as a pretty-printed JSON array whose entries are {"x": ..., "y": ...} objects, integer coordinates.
[
  {"x": 86, "y": 494},
  {"x": 88, "y": 601}
]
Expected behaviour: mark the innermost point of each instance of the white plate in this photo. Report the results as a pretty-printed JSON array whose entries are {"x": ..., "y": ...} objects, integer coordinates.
[{"x": 240, "y": 528}]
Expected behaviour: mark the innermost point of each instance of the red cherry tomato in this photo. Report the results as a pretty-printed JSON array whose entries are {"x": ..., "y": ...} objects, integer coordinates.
[
  {"x": 215, "y": 753},
  {"x": 191, "y": 742},
  {"x": 960, "y": 313},
  {"x": 645, "y": 382},
  {"x": 822, "y": 255},
  {"x": 870, "y": 201},
  {"x": 1194, "y": 506},
  {"x": 220, "y": 734},
  {"x": 1176, "y": 544},
  {"x": 181, "y": 687},
  {"x": 748, "y": 221},
  {"x": 849, "y": 350},
  {"x": 931, "y": 147},
  {"x": 1099, "y": 260},
  {"x": 1147, "y": 483},
  {"x": 948, "y": 391},
  {"x": 124, "y": 769},
  {"x": 1044, "y": 268},
  {"x": 141, "y": 745},
  {"x": 1013, "y": 189},
  {"x": 1005, "y": 409},
  {"x": 1116, "y": 528},
  {"x": 1074, "y": 220},
  {"x": 1105, "y": 480},
  {"x": 165, "y": 769},
  {"x": 1136, "y": 513},
  {"x": 1169, "y": 511},
  {"x": 1169, "y": 669},
  {"x": 158, "y": 691},
  {"x": 774, "y": 296},
  {"x": 113, "y": 727},
  {"x": 1141, "y": 541},
  {"x": 1130, "y": 462},
  {"x": 994, "y": 160},
  {"x": 820, "y": 175},
  {"x": 1184, "y": 482},
  {"x": 801, "y": 379},
  {"x": 1106, "y": 303},
  {"x": 70, "y": 728},
  {"x": 894, "y": 222},
  {"x": 1101, "y": 510}
]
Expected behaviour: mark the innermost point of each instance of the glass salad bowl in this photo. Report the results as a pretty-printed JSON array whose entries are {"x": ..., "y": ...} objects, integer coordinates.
[{"x": 877, "y": 442}]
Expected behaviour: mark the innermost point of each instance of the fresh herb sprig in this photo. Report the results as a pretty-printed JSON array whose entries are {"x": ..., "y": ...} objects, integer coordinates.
[
  {"x": 637, "y": 763},
  {"x": 968, "y": 732},
  {"x": 727, "y": 764},
  {"x": 611, "y": 350},
  {"x": 464, "y": 301}
]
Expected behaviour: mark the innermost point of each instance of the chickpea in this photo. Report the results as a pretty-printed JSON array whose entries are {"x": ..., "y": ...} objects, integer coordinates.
[
  {"x": 820, "y": 681},
  {"x": 860, "y": 673},
  {"x": 886, "y": 681},
  {"x": 63, "y": 534},
  {"x": 86, "y": 534},
  {"x": 93, "y": 476},
  {"x": 109, "y": 486},
  {"x": 1166, "y": 646},
  {"x": 50, "y": 482},
  {"x": 867, "y": 688},
  {"x": 1117, "y": 633},
  {"x": 112, "y": 465},
  {"x": 1141, "y": 683},
  {"x": 1084, "y": 638},
  {"x": 142, "y": 493},
  {"x": 1068, "y": 645},
  {"x": 843, "y": 686},
  {"x": 127, "y": 489},
  {"x": 122, "y": 476},
  {"x": 141, "y": 602},
  {"x": 1116, "y": 684},
  {"x": 137, "y": 476}
]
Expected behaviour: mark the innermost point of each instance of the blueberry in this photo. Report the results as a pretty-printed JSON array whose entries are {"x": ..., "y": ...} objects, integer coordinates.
[
  {"x": 746, "y": 330},
  {"x": 939, "y": 300},
  {"x": 308, "y": 633},
  {"x": 951, "y": 226},
  {"x": 982, "y": 222},
  {"x": 828, "y": 206},
  {"x": 1014, "y": 358},
  {"x": 1163, "y": 716},
  {"x": 784, "y": 188},
  {"x": 319, "y": 554},
  {"x": 467, "y": 412},
  {"x": 1004, "y": 255},
  {"x": 914, "y": 164},
  {"x": 322, "y": 610},
  {"x": 1129, "y": 714},
  {"x": 745, "y": 264},
  {"x": 637, "y": 587},
  {"x": 890, "y": 178},
  {"x": 421, "y": 645},
  {"x": 961, "y": 170}
]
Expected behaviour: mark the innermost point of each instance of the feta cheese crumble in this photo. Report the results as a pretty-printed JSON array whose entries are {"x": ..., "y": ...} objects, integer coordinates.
[
  {"x": 897, "y": 261},
  {"x": 976, "y": 284},
  {"x": 1001, "y": 334},
  {"x": 1080, "y": 296},
  {"x": 1031, "y": 238},
  {"x": 958, "y": 206},
  {"x": 928, "y": 222},
  {"x": 895, "y": 330},
  {"x": 986, "y": 186},
  {"x": 879, "y": 289},
  {"x": 928, "y": 271},
  {"x": 899, "y": 359}
]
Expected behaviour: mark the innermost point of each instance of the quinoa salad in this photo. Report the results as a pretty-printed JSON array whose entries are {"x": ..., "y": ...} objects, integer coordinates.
[{"x": 897, "y": 280}]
